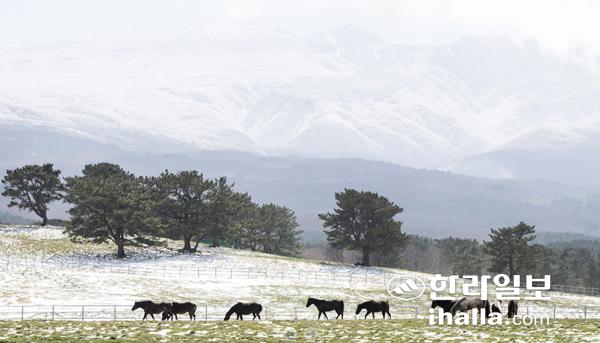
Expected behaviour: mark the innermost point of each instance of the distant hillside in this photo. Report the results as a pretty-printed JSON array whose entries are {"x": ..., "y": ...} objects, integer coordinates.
[
  {"x": 564, "y": 240},
  {"x": 7, "y": 218},
  {"x": 437, "y": 204}
]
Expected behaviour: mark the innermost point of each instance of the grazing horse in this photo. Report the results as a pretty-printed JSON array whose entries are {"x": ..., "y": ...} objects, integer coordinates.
[
  {"x": 465, "y": 304},
  {"x": 151, "y": 308},
  {"x": 375, "y": 306},
  {"x": 513, "y": 308},
  {"x": 325, "y": 306},
  {"x": 241, "y": 309},
  {"x": 181, "y": 308},
  {"x": 446, "y": 305}
]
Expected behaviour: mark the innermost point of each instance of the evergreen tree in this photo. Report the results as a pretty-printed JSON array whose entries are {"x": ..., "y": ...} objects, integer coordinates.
[
  {"x": 364, "y": 221},
  {"x": 33, "y": 187},
  {"x": 110, "y": 205},
  {"x": 510, "y": 249},
  {"x": 245, "y": 228},
  {"x": 181, "y": 203},
  {"x": 222, "y": 213},
  {"x": 278, "y": 230}
]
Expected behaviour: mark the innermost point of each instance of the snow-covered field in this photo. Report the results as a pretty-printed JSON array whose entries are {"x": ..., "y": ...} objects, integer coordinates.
[{"x": 52, "y": 277}]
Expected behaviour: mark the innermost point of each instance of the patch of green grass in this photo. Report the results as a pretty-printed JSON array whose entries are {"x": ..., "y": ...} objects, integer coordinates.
[{"x": 298, "y": 331}]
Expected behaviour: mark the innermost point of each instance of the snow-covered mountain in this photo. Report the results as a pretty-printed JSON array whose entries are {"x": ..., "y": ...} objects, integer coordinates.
[{"x": 343, "y": 93}]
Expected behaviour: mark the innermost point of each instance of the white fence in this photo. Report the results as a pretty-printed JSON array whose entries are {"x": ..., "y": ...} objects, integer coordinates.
[
  {"x": 198, "y": 271},
  {"x": 270, "y": 312}
]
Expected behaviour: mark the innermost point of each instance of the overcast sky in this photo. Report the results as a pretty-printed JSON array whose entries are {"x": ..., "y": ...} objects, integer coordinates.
[{"x": 566, "y": 27}]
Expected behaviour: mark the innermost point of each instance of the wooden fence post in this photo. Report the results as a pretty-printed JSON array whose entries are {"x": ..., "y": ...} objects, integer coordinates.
[
  {"x": 52, "y": 312},
  {"x": 82, "y": 312},
  {"x": 114, "y": 312},
  {"x": 205, "y": 313},
  {"x": 22, "y": 312}
]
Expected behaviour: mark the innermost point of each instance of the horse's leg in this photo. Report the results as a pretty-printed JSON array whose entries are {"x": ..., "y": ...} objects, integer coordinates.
[
  {"x": 325, "y": 314},
  {"x": 258, "y": 314},
  {"x": 176, "y": 316},
  {"x": 152, "y": 315},
  {"x": 373, "y": 314},
  {"x": 366, "y": 314},
  {"x": 145, "y": 315},
  {"x": 319, "y": 317}
]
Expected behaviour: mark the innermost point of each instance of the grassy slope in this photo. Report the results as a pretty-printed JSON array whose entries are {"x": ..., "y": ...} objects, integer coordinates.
[{"x": 300, "y": 331}]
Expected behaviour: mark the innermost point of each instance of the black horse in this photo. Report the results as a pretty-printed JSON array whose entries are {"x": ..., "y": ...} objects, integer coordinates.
[
  {"x": 241, "y": 309},
  {"x": 446, "y": 305},
  {"x": 513, "y": 308},
  {"x": 375, "y": 306},
  {"x": 152, "y": 308},
  {"x": 466, "y": 304},
  {"x": 325, "y": 306},
  {"x": 180, "y": 308}
]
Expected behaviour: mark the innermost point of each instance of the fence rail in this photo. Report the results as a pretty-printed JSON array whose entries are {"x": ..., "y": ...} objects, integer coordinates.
[
  {"x": 188, "y": 271},
  {"x": 270, "y": 312}
]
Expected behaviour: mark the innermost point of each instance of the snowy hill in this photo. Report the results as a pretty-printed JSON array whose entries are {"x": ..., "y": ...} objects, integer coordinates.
[
  {"x": 343, "y": 93},
  {"x": 53, "y": 278}
]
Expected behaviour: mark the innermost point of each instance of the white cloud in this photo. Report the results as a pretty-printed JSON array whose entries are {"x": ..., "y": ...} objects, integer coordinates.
[{"x": 568, "y": 28}]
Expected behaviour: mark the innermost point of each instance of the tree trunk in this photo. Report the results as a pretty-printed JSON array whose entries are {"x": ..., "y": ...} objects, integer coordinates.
[
  {"x": 196, "y": 246},
  {"x": 120, "y": 250},
  {"x": 187, "y": 244},
  {"x": 44, "y": 219},
  {"x": 366, "y": 258}
]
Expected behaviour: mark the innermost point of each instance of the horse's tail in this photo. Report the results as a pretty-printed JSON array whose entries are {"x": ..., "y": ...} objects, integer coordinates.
[
  {"x": 193, "y": 308},
  {"x": 342, "y": 305}
]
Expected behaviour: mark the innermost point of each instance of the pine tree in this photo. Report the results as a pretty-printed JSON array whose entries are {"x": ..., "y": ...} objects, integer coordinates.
[
  {"x": 33, "y": 187},
  {"x": 278, "y": 230},
  {"x": 510, "y": 249},
  {"x": 181, "y": 203},
  {"x": 222, "y": 212},
  {"x": 110, "y": 204},
  {"x": 364, "y": 221}
]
